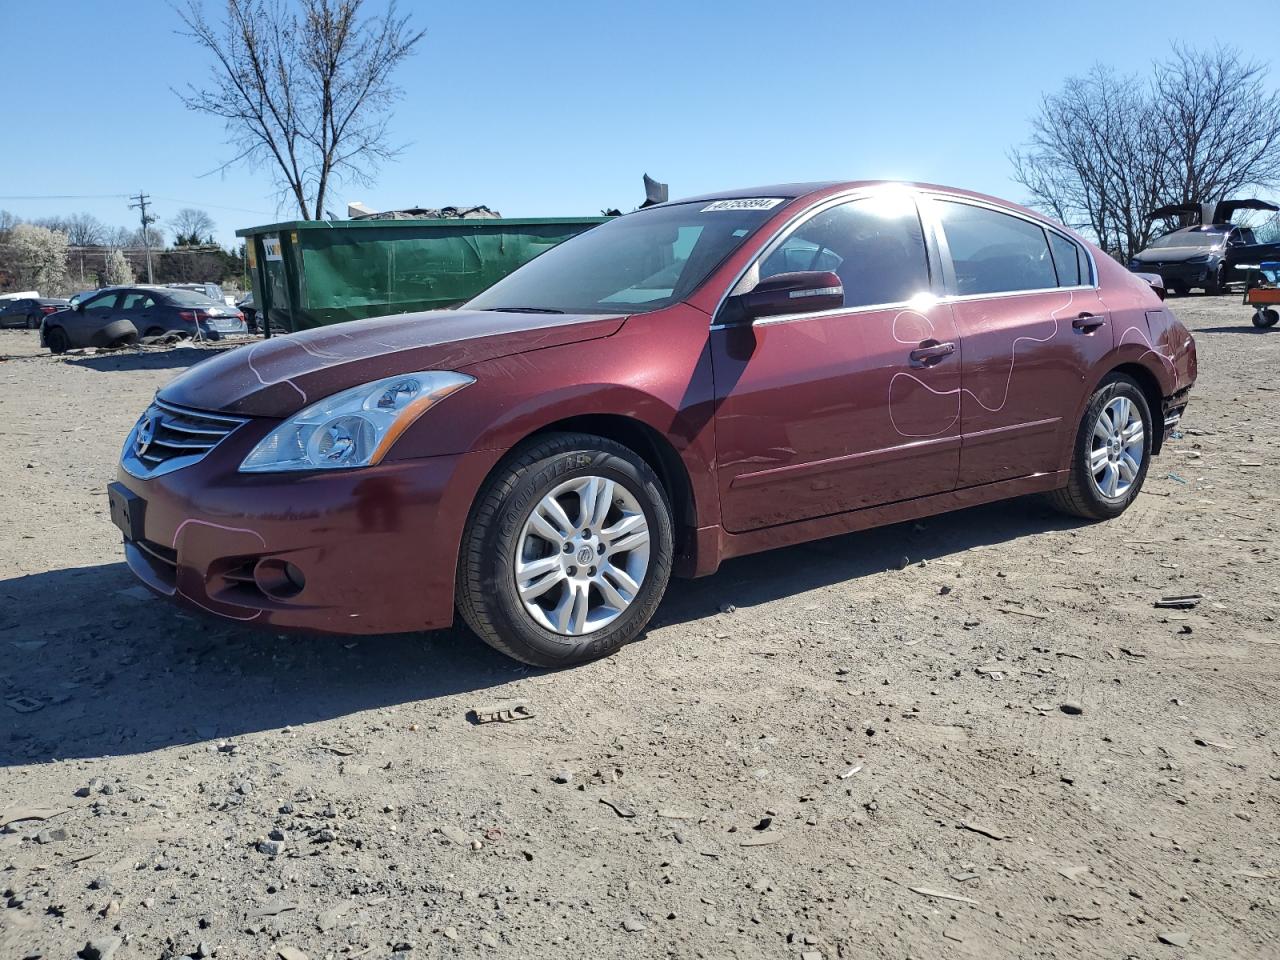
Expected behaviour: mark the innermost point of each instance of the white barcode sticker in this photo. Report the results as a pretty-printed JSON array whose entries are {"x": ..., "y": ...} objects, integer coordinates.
[{"x": 746, "y": 203}]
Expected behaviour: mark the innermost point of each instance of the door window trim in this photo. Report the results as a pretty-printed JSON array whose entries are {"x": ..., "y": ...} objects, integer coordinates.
[
  {"x": 933, "y": 258},
  {"x": 930, "y": 198}
]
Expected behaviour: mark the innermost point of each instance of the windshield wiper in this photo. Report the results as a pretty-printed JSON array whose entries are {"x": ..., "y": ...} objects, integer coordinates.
[{"x": 522, "y": 310}]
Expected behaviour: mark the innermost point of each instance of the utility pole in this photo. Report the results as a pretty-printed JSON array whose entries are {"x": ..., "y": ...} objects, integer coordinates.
[{"x": 142, "y": 199}]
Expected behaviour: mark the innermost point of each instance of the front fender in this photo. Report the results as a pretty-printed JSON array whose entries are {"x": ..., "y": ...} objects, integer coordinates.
[{"x": 656, "y": 372}]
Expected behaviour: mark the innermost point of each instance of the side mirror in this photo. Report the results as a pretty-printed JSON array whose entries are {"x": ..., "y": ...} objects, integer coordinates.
[
  {"x": 1156, "y": 282},
  {"x": 804, "y": 291}
]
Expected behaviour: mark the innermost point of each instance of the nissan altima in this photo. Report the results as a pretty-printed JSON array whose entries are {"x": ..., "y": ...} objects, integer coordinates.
[{"x": 691, "y": 382}]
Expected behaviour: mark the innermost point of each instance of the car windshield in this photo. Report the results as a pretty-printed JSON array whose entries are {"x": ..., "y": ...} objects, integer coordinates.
[
  {"x": 1180, "y": 239},
  {"x": 637, "y": 263},
  {"x": 188, "y": 298}
]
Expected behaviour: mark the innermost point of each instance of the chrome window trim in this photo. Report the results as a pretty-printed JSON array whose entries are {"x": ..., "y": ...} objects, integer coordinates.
[{"x": 900, "y": 305}]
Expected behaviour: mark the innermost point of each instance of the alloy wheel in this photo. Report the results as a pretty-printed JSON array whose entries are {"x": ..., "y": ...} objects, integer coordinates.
[
  {"x": 582, "y": 555},
  {"x": 1117, "y": 449}
]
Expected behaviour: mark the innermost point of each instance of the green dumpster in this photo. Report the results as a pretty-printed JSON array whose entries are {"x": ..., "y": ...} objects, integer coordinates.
[{"x": 309, "y": 273}]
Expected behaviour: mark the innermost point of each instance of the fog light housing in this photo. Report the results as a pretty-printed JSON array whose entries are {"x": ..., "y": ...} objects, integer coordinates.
[{"x": 278, "y": 579}]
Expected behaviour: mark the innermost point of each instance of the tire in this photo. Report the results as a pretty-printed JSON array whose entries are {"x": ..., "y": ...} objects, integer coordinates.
[
  {"x": 1083, "y": 495},
  {"x": 56, "y": 340},
  {"x": 1179, "y": 288},
  {"x": 1265, "y": 317},
  {"x": 33, "y": 323},
  {"x": 502, "y": 526},
  {"x": 1217, "y": 283}
]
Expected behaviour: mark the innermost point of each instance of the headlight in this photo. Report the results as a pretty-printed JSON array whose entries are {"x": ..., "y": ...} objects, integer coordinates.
[
  {"x": 354, "y": 428},
  {"x": 1203, "y": 258}
]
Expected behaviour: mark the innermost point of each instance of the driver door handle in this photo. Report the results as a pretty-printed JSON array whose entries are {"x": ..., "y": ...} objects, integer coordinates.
[
  {"x": 1088, "y": 322},
  {"x": 929, "y": 353}
]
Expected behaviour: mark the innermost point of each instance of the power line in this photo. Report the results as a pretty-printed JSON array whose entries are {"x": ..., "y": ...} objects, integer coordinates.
[
  {"x": 125, "y": 196},
  {"x": 216, "y": 206},
  {"x": 66, "y": 196}
]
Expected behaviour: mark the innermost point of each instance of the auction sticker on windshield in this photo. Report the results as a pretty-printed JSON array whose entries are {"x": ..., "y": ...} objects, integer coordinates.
[{"x": 746, "y": 203}]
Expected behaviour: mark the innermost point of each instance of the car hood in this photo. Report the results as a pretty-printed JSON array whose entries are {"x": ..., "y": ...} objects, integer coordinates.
[
  {"x": 1174, "y": 254},
  {"x": 279, "y": 376}
]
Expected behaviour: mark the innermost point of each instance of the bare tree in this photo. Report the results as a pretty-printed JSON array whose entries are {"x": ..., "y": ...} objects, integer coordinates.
[
  {"x": 192, "y": 227},
  {"x": 1107, "y": 149},
  {"x": 307, "y": 94},
  {"x": 84, "y": 230}
]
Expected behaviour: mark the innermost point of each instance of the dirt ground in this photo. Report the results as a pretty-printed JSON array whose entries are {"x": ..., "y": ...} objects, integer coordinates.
[{"x": 814, "y": 754}]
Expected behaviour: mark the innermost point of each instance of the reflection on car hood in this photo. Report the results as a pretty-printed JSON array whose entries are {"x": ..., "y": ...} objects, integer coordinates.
[
  {"x": 1174, "y": 254},
  {"x": 278, "y": 377}
]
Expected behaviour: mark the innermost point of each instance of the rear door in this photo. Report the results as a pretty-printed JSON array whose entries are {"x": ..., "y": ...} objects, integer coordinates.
[
  {"x": 138, "y": 306},
  {"x": 1033, "y": 325},
  {"x": 821, "y": 413}
]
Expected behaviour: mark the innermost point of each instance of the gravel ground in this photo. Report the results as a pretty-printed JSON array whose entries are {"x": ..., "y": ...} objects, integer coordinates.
[{"x": 1001, "y": 750}]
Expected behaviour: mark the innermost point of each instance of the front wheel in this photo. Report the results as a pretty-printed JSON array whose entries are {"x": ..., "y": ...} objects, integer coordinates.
[
  {"x": 567, "y": 551},
  {"x": 56, "y": 340},
  {"x": 1111, "y": 453},
  {"x": 33, "y": 323},
  {"x": 1216, "y": 282}
]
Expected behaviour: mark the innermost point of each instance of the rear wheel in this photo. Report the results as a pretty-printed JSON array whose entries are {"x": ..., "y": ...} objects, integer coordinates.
[
  {"x": 1265, "y": 317},
  {"x": 56, "y": 340},
  {"x": 1111, "y": 453},
  {"x": 33, "y": 322},
  {"x": 567, "y": 552}
]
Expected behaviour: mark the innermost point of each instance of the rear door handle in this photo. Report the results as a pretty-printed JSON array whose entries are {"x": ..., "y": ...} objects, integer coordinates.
[
  {"x": 923, "y": 356},
  {"x": 1088, "y": 322}
]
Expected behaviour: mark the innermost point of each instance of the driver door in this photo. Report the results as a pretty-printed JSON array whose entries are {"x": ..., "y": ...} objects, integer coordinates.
[
  {"x": 822, "y": 413},
  {"x": 95, "y": 313}
]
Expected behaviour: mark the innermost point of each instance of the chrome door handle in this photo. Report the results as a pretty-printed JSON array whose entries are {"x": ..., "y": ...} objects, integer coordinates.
[
  {"x": 929, "y": 353},
  {"x": 1088, "y": 322}
]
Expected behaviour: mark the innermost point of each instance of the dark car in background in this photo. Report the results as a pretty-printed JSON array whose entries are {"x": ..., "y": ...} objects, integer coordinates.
[
  {"x": 28, "y": 312},
  {"x": 1193, "y": 257},
  {"x": 124, "y": 314},
  {"x": 1208, "y": 254}
]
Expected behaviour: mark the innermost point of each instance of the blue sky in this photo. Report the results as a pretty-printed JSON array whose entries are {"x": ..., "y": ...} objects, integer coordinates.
[{"x": 557, "y": 108}]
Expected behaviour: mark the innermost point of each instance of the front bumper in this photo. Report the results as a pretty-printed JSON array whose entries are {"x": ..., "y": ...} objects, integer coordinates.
[
  {"x": 1192, "y": 274},
  {"x": 377, "y": 547}
]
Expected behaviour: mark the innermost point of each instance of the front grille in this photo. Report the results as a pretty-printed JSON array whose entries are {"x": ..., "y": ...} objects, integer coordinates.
[{"x": 167, "y": 437}]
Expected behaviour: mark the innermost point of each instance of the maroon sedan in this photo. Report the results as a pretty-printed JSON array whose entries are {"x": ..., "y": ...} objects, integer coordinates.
[{"x": 695, "y": 381}]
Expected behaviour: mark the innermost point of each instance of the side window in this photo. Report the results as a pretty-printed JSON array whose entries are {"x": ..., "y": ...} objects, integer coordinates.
[
  {"x": 101, "y": 304},
  {"x": 137, "y": 301},
  {"x": 995, "y": 253},
  {"x": 875, "y": 245},
  {"x": 1073, "y": 268}
]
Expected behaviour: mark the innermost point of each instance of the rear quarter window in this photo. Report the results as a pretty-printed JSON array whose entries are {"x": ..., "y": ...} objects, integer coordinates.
[{"x": 1070, "y": 260}]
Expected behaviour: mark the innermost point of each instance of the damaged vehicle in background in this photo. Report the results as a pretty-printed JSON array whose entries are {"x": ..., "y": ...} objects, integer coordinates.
[
  {"x": 117, "y": 315},
  {"x": 1207, "y": 255},
  {"x": 688, "y": 383}
]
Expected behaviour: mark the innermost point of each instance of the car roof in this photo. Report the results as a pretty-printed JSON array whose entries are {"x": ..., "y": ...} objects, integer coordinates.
[
  {"x": 1204, "y": 228},
  {"x": 816, "y": 188}
]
